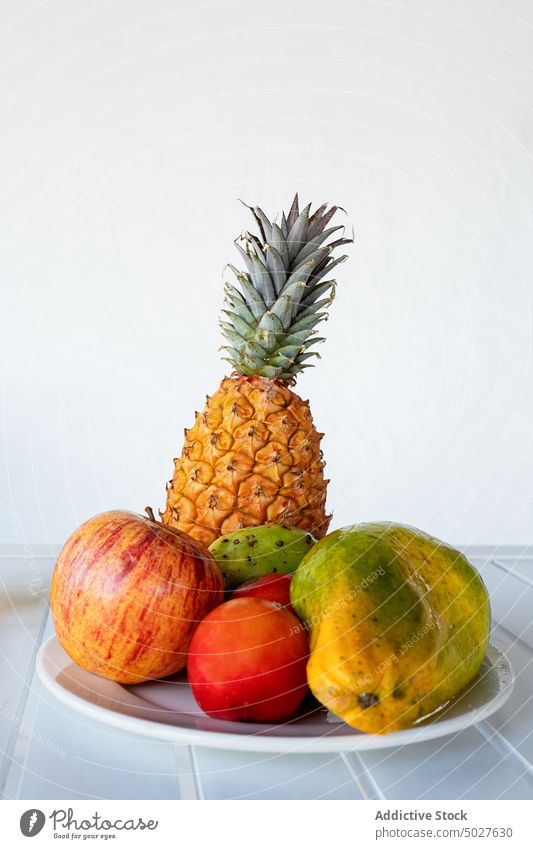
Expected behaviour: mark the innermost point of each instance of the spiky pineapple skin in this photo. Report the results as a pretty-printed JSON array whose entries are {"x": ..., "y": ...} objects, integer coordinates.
[{"x": 252, "y": 456}]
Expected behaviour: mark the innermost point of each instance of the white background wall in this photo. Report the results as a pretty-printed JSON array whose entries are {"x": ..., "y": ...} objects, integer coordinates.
[{"x": 130, "y": 127}]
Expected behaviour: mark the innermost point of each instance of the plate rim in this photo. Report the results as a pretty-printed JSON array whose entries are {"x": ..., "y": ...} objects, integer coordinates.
[{"x": 358, "y": 741}]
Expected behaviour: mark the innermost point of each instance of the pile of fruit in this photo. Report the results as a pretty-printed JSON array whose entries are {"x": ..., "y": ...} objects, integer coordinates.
[{"x": 240, "y": 581}]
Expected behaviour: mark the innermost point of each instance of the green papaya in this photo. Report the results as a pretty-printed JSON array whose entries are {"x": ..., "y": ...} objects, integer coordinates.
[
  {"x": 251, "y": 552},
  {"x": 399, "y": 623}
]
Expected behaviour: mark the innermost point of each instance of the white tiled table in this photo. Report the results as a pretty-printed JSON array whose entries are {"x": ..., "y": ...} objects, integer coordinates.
[{"x": 49, "y": 752}]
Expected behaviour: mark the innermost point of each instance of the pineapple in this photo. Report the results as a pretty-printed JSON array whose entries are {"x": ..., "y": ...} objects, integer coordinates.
[{"x": 253, "y": 455}]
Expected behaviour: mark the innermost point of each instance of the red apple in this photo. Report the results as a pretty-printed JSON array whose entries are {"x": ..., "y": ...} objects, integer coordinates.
[
  {"x": 127, "y": 594},
  {"x": 273, "y": 587},
  {"x": 247, "y": 661}
]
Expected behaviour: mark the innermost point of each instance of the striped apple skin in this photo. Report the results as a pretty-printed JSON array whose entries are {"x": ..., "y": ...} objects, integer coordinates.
[{"x": 127, "y": 594}]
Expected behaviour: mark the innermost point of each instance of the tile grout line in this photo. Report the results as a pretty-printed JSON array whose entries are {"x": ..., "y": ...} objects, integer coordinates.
[
  {"x": 503, "y": 746},
  {"x": 33, "y": 694},
  {"x": 23, "y": 699},
  {"x": 353, "y": 775},
  {"x": 370, "y": 780},
  {"x": 28, "y": 557},
  {"x": 196, "y": 773},
  {"x": 512, "y": 636},
  {"x": 185, "y": 772},
  {"x": 519, "y": 577}
]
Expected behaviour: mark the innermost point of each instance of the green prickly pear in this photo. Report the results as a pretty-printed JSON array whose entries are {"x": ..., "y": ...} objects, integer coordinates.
[{"x": 252, "y": 552}]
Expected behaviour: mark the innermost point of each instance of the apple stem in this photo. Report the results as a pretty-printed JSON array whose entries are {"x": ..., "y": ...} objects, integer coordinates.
[{"x": 150, "y": 513}]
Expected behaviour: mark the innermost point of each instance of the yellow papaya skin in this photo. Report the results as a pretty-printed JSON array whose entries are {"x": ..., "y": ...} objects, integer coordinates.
[{"x": 398, "y": 621}]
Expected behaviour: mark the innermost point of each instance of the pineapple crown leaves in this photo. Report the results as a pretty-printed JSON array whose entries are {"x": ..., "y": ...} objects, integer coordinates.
[{"x": 272, "y": 309}]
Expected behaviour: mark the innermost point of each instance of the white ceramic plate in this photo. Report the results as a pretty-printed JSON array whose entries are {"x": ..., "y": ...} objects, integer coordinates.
[{"x": 167, "y": 710}]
